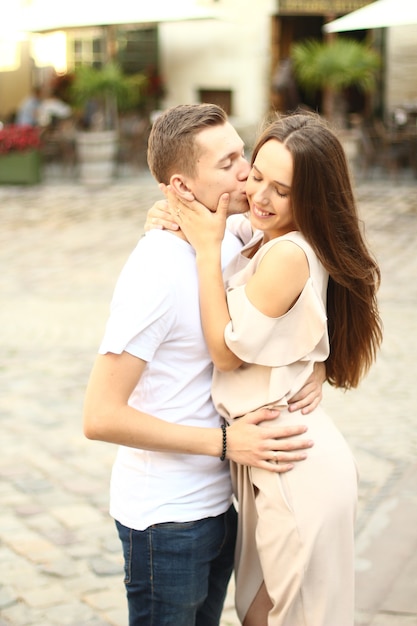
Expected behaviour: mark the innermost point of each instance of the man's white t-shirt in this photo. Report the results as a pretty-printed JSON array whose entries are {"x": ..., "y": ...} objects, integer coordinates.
[{"x": 155, "y": 316}]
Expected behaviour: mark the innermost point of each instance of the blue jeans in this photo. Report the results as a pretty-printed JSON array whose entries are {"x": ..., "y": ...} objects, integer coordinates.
[{"x": 176, "y": 574}]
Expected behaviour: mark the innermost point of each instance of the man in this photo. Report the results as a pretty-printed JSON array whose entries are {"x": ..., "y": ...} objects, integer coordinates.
[
  {"x": 27, "y": 113},
  {"x": 149, "y": 392},
  {"x": 53, "y": 110}
]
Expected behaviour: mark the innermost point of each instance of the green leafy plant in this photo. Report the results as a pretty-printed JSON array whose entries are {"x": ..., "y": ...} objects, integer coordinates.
[
  {"x": 335, "y": 65},
  {"x": 109, "y": 88}
]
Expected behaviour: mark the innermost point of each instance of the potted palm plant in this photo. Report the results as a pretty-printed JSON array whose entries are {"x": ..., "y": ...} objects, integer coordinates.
[
  {"x": 99, "y": 94},
  {"x": 332, "y": 67}
]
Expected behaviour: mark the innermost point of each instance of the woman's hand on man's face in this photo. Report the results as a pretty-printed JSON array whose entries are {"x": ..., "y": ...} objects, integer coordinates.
[{"x": 201, "y": 227}]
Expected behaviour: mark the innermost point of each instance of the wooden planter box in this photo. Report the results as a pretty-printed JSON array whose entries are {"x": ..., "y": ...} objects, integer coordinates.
[{"x": 20, "y": 168}]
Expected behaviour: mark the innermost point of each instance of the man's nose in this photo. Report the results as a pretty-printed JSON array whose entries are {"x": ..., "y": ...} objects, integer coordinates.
[{"x": 244, "y": 170}]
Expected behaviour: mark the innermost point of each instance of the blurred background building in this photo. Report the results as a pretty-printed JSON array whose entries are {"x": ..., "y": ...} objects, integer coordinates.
[{"x": 235, "y": 57}]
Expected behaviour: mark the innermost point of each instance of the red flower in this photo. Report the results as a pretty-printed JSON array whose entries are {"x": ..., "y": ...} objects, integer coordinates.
[{"x": 15, "y": 138}]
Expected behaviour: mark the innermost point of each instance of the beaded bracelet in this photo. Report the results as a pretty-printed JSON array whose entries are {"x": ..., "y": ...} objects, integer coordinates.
[{"x": 224, "y": 448}]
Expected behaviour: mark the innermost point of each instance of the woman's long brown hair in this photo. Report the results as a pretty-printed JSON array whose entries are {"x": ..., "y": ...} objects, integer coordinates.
[{"x": 325, "y": 213}]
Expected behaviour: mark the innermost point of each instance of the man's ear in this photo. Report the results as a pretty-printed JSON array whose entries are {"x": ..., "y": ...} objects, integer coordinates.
[{"x": 179, "y": 185}]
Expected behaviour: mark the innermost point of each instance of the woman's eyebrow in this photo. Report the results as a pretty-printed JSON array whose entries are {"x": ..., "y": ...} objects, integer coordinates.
[{"x": 277, "y": 182}]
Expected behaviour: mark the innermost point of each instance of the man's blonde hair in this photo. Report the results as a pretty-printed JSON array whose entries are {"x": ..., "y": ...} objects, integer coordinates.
[{"x": 172, "y": 146}]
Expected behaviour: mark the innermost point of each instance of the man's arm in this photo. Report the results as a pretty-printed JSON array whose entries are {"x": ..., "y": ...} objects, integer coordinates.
[
  {"x": 159, "y": 216},
  {"x": 108, "y": 417},
  {"x": 310, "y": 395}
]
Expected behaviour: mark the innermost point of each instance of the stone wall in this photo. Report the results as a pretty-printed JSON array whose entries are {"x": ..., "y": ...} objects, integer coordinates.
[{"x": 401, "y": 71}]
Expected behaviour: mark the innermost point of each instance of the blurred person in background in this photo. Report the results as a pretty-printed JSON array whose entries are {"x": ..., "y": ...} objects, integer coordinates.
[{"x": 28, "y": 111}]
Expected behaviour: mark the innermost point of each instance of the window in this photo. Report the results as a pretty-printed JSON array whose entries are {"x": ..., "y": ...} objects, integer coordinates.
[
  {"x": 136, "y": 49},
  {"x": 86, "y": 47},
  {"x": 221, "y": 97}
]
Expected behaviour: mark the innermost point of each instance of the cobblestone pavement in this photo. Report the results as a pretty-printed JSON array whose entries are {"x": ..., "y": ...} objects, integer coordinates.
[{"x": 61, "y": 250}]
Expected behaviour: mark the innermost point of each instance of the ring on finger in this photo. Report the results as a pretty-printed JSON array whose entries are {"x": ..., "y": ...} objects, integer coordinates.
[{"x": 275, "y": 456}]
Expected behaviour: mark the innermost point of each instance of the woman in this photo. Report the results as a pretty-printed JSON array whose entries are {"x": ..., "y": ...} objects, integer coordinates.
[{"x": 305, "y": 284}]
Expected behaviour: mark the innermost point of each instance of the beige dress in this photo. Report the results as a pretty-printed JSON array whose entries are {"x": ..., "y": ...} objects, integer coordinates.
[{"x": 295, "y": 529}]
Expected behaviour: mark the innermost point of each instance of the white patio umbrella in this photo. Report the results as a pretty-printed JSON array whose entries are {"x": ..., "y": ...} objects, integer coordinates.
[
  {"x": 44, "y": 15},
  {"x": 380, "y": 14}
]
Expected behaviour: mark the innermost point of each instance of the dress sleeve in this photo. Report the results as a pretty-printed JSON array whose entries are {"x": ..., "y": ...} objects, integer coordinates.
[{"x": 257, "y": 338}]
